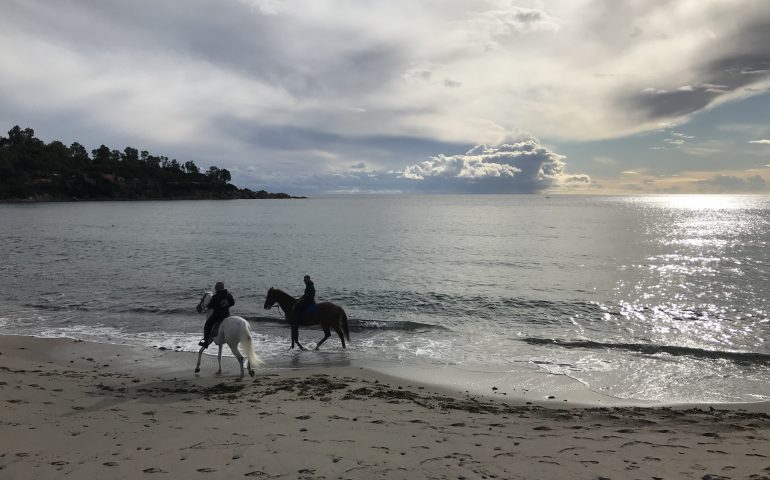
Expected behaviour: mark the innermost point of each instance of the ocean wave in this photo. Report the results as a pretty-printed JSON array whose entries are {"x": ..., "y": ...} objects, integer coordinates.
[
  {"x": 744, "y": 358},
  {"x": 363, "y": 325},
  {"x": 82, "y": 307},
  {"x": 476, "y": 306},
  {"x": 388, "y": 303},
  {"x": 151, "y": 310},
  {"x": 58, "y": 307}
]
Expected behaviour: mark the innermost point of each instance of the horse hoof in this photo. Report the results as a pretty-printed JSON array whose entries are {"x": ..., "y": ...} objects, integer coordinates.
[
  {"x": 197, "y": 370},
  {"x": 251, "y": 373}
]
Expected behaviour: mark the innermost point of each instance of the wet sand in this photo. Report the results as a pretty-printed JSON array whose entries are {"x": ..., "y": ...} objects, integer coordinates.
[{"x": 73, "y": 409}]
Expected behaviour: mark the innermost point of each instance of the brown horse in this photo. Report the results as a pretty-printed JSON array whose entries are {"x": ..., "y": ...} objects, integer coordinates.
[{"x": 327, "y": 314}]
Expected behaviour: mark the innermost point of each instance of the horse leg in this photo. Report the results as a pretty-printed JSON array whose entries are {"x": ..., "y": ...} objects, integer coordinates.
[
  {"x": 339, "y": 332},
  {"x": 238, "y": 356},
  {"x": 198, "y": 365},
  {"x": 295, "y": 337},
  {"x": 219, "y": 358},
  {"x": 327, "y": 334}
]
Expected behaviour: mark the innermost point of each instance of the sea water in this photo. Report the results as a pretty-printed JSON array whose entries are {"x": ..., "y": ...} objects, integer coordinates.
[{"x": 648, "y": 298}]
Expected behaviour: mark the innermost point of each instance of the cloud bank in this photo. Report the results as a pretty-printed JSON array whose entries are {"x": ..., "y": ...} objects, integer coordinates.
[
  {"x": 734, "y": 184},
  {"x": 521, "y": 167},
  {"x": 309, "y": 87}
]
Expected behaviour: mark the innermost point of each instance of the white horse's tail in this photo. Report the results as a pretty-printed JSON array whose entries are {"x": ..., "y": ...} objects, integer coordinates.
[{"x": 248, "y": 347}]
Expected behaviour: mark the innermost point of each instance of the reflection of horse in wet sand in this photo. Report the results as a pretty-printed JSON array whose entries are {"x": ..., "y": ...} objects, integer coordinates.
[
  {"x": 232, "y": 331},
  {"x": 326, "y": 314}
]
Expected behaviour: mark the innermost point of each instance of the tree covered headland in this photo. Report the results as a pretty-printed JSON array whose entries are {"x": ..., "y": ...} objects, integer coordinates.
[{"x": 33, "y": 170}]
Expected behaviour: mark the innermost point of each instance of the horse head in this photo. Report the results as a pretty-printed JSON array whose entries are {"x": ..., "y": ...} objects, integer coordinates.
[
  {"x": 204, "y": 301},
  {"x": 271, "y": 298}
]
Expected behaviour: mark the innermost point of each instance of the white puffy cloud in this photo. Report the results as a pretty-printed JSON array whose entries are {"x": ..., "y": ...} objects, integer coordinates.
[
  {"x": 520, "y": 166},
  {"x": 523, "y": 166}
]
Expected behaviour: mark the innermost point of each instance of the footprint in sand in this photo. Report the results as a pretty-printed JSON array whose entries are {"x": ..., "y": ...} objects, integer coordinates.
[{"x": 154, "y": 470}]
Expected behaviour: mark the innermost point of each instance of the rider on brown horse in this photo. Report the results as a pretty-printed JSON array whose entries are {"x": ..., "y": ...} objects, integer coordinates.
[{"x": 308, "y": 299}]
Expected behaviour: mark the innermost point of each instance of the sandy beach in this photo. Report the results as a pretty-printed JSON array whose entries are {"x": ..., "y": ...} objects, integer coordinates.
[{"x": 74, "y": 409}]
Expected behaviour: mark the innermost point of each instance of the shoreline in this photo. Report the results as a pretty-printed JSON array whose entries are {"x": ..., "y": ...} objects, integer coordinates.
[
  {"x": 513, "y": 385},
  {"x": 90, "y": 410}
]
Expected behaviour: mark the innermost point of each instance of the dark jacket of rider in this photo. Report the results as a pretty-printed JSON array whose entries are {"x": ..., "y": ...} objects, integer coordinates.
[
  {"x": 220, "y": 303},
  {"x": 307, "y": 299},
  {"x": 309, "y": 295}
]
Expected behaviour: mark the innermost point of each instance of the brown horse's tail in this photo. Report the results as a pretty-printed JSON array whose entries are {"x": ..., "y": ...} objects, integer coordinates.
[{"x": 343, "y": 321}]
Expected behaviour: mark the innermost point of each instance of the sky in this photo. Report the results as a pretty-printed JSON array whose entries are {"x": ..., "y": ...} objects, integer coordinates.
[{"x": 406, "y": 96}]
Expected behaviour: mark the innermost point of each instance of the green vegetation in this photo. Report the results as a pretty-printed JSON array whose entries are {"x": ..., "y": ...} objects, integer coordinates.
[{"x": 31, "y": 170}]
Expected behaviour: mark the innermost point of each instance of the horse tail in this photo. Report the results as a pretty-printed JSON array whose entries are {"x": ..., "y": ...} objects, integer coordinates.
[
  {"x": 343, "y": 321},
  {"x": 248, "y": 346}
]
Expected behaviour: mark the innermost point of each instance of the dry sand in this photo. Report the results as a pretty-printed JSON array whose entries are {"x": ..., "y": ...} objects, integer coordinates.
[{"x": 74, "y": 409}]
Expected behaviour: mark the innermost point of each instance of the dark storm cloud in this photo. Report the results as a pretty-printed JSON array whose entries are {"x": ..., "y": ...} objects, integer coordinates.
[{"x": 744, "y": 60}]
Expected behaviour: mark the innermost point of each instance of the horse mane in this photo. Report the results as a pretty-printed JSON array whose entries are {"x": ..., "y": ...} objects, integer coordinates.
[{"x": 281, "y": 293}]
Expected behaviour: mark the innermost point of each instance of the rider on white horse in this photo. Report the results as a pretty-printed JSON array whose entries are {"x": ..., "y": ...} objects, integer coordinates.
[
  {"x": 220, "y": 303},
  {"x": 233, "y": 331}
]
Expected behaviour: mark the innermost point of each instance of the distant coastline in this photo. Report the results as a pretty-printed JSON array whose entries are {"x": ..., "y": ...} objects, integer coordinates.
[
  {"x": 33, "y": 171},
  {"x": 235, "y": 194}
]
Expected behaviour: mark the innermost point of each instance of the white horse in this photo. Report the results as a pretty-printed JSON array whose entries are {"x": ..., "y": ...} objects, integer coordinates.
[{"x": 232, "y": 330}]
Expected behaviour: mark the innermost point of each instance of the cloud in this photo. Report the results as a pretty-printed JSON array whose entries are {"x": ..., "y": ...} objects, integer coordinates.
[
  {"x": 716, "y": 73},
  {"x": 678, "y": 138},
  {"x": 524, "y": 166},
  {"x": 309, "y": 87},
  {"x": 734, "y": 184},
  {"x": 760, "y": 142}
]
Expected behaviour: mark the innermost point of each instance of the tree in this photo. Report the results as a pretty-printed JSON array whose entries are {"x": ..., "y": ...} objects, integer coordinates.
[
  {"x": 18, "y": 137},
  {"x": 130, "y": 155},
  {"x": 213, "y": 174},
  {"x": 101, "y": 155},
  {"x": 190, "y": 167},
  {"x": 31, "y": 168},
  {"x": 79, "y": 153}
]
